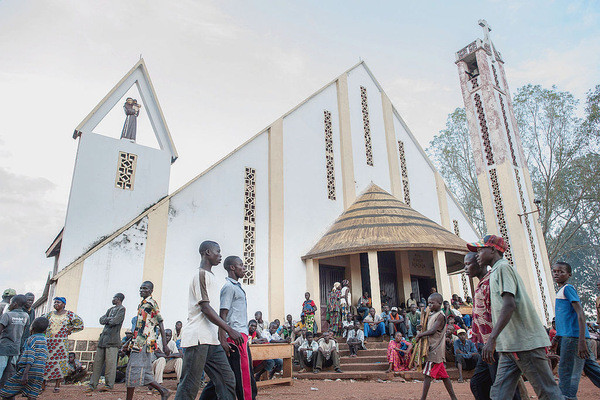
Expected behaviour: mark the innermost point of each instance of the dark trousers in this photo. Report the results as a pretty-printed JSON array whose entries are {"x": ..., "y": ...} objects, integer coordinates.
[
  {"x": 210, "y": 391},
  {"x": 311, "y": 362},
  {"x": 334, "y": 359},
  {"x": 212, "y": 360},
  {"x": 105, "y": 356},
  {"x": 354, "y": 347},
  {"x": 483, "y": 379}
]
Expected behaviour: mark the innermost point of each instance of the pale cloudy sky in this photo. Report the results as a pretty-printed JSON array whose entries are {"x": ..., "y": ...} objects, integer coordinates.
[{"x": 225, "y": 70}]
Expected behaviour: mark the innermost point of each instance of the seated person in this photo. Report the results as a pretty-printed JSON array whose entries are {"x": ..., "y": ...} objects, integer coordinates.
[
  {"x": 300, "y": 325},
  {"x": 458, "y": 315},
  {"x": 364, "y": 304},
  {"x": 355, "y": 339},
  {"x": 171, "y": 361},
  {"x": 398, "y": 353},
  {"x": 76, "y": 372},
  {"x": 468, "y": 301},
  {"x": 307, "y": 352},
  {"x": 397, "y": 322},
  {"x": 254, "y": 333},
  {"x": 347, "y": 325},
  {"x": 262, "y": 325},
  {"x": 300, "y": 338},
  {"x": 374, "y": 325},
  {"x": 127, "y": 338},
  {"x": 465, "y": 353},
  {"x": 452, "y": 321},
  {"x": 414, "y": 320},
  {"x": 122, "y": 361},
  {"x": 275, "y": 365},
  {"x": 287, "y": 329},
  {"x": 385, "y": 317},
  {"x": 450, "y": 338},
  {"x": 327, "y": 354}
]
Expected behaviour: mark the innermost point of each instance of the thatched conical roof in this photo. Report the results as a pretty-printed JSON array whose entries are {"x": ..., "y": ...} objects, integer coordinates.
[{"x": 379, "y": 221}]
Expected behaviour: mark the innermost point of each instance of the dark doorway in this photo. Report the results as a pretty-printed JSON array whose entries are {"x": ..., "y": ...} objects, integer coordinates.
[
  {"x": 386, "y": 261},
  {"x": 328, "y": 275},
  {"x": 421, "y": 286}
]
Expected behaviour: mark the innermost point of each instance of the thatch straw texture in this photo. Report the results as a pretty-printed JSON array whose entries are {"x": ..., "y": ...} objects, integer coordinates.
[{"x": 379, "y": 221}]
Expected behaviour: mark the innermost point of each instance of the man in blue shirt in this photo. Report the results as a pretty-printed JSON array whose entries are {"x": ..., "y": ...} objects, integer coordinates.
[
  {"x": 465, "y": 353},
  {"x": 575, "y": 354}
]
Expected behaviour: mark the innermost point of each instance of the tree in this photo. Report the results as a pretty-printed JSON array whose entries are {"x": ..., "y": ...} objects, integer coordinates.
[{"x": 452, "y": 152}]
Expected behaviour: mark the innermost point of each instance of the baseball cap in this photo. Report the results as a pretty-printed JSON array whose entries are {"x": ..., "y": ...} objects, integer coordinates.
[
  {"x": 9, "y": 292},
  {"x": 394, "y": 308},
  {"x": 497, "y": 242},
  {"x": 460, "y": 331}
]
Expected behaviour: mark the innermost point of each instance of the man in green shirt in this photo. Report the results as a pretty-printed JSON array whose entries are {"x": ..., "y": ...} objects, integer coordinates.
[{"x": 518, "y": 335}]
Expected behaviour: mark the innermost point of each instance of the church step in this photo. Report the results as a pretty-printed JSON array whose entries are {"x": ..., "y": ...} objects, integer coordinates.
[
  {"x": 362, "y": 360},
  {"x": 368, "y": 352},
  {"x": 365, "y": 367},
  {"x": 362, "y": 375}
]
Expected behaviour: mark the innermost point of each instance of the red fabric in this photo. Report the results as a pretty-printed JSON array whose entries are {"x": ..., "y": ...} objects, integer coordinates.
[
  {"x": 482, "y": 315},
  {"x": 436, "y": 371},
  {"x": 244, "y": 367}
]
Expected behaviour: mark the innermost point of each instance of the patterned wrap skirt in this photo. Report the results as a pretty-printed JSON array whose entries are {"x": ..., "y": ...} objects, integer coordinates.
[{"x": 139, "y": 369}]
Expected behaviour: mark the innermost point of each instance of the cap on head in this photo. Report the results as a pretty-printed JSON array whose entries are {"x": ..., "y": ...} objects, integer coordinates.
[
  {"x": 458, "y": 332},
  {"x": 395, "y": 309},
  {"x": 496, "y": 242},
  {"x": 9, "y": 292}
]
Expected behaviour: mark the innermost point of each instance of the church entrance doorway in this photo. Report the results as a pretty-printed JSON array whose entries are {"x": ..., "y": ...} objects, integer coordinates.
[
  {"x": 421, "y": 286},
  {"x": 328, "y": 275}
]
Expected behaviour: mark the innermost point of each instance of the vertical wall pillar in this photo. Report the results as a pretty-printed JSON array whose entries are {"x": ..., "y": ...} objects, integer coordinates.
[
  {"x": 374, "y": 279},
  {"x": 276, "y": 278},
  {"x": 312, "y": 285},
  {"x": 348, "y": 185},
  {"x": 355, "y": 278},
  {"x": 441, "y": 274},
  {"x": 156, "y": 245},
  {"x": 392, "y": 147},
  {"x": 403, "y": 274}
]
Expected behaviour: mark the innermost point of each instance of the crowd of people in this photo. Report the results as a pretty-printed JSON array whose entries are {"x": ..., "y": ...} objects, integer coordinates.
[{"x": 497, "y": 334}]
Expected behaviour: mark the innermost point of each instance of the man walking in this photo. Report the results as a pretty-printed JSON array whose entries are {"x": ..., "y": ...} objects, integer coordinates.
[
  {"x": 517, "y": 333},
  {"x": 234, "y": 311},
  {"x": 200, "y": 336},
  {"x": 143, "y": 344},
  {"x": 108, "y": 345}
]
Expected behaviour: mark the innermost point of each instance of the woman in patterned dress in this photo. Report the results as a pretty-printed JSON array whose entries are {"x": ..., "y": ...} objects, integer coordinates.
[
  {"x": 345, "y": 300},
  {"x": 308, "y": 310},
  {"x": 398, "y": 353},
  {"x": 334, "y": 310},
  {"x": 62, "y": 324}
]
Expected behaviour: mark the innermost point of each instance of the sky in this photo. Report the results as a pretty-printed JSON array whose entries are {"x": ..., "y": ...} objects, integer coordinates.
[{"x": 223, "y": 71}]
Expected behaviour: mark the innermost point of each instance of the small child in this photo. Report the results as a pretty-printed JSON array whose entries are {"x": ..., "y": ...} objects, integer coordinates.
[
  {"x": 575, "y": 355},
  {"x": 30, "y": 370},
  {"x": 436, "y": 332}
]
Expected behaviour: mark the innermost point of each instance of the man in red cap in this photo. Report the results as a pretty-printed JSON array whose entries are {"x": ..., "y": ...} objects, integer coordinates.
[{"x": 517, "y": 333}]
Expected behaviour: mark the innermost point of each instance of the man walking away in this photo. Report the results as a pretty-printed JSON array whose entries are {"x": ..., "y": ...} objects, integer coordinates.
[
  {"x": 108, "y": 345},
  {"x": 12, "y": 324},
  {"x": 200, "y": 336},
  {"x": 517, "y": 333}
]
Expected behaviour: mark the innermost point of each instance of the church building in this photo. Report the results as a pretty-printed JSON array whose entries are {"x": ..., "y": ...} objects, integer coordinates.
[{"x": 337, "y": 188}]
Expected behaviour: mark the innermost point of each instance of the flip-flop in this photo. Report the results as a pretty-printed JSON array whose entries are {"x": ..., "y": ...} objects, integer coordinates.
[{"x": 56, "y": 390}]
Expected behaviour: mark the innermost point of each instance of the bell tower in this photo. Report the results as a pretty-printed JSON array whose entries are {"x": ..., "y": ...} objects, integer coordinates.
[{"x": 502, "y": 173}]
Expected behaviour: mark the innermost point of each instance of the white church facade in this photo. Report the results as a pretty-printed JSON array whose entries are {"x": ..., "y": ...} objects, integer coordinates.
[{"x": 337, "y": 188}]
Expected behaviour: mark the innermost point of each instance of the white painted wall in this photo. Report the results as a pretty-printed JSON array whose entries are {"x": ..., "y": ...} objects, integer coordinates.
[
  {"x": 116, "y": 267},
  {"x": 212, "y": 208},
  {"x": 308, "y": 212},
  {"x": 421, "y": 176},
  {"x": 365, "y": 174},
  {"x": 98, "y": 208},
  {"x": 466, "y": 230}
]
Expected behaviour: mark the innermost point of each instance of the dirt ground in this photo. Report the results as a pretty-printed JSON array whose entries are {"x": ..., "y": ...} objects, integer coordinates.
[{"x": 329, "y": 390}]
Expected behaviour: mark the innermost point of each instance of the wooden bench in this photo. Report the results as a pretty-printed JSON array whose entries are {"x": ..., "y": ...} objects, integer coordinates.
[{"x": 270, "y": 351}]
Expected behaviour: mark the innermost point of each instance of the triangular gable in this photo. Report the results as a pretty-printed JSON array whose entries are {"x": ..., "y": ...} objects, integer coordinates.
[{"x": 139, "y": 76}]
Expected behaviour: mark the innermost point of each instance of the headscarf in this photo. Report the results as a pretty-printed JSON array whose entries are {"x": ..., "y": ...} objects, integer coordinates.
[
  {"x": 64, "y": 301},
  {"x": 337, "y": 286}
]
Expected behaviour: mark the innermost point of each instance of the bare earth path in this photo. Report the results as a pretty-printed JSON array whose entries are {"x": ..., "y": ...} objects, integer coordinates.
[{"x": 327, "y": 390}]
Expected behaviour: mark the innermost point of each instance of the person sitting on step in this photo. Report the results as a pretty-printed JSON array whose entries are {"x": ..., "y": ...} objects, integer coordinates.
[
  {"x": 327, "y": 354},
  {"x": 374, "y": 325},
  {"x": 307, "y": 352}
]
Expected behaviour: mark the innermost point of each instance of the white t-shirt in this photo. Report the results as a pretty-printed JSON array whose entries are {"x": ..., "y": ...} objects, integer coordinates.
[
  {"x": 345, "y": 290},
  {"x": 199, "y": 330}
]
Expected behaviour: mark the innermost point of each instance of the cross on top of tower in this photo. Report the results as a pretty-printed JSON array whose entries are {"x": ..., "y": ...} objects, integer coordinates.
[{"x": 486, "y": 30}]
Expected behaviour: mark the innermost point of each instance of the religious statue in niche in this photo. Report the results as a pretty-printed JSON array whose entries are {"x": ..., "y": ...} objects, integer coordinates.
[{"x": 132, "y": 110}]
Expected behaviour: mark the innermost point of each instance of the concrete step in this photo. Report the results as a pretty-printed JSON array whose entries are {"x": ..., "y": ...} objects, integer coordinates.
[
  {"x": 368, "y": 352},
  {"x": 363, "y": 360},
  {"x": 382, "y": 366},
  {"x": 362, "y": 375}
]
